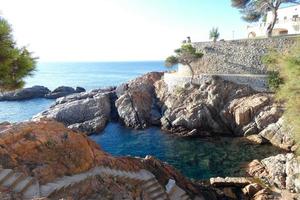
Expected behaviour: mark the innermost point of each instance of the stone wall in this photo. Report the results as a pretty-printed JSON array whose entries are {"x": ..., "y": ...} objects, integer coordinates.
[
  {"x": 238, "y": 56},
  {"x": 256, "y": 82}
]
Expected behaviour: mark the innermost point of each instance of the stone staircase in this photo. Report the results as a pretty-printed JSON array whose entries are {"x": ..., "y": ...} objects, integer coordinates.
[
  {"x": 175, "y": 192},
  {"x": 30, "y": 188}
]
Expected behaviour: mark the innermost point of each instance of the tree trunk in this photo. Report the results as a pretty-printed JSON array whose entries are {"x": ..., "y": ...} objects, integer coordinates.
[
  {"x": 272, "y": 24},
  {"x": 189, "y": 65}
]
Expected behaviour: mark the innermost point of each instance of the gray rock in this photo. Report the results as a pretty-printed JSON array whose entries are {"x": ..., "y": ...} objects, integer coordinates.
[
  {"x": 60, "y": 92},
  {"x": 278, "y": 135},
  {"x": 26, "y": 93},
  {"x": 87, "y": 112},
  {"x": 79, "y": 89},
  {"x": 280, "y": 171},
  {"x": 198, "y": 107},
  {"x": 136, "y": 103}
]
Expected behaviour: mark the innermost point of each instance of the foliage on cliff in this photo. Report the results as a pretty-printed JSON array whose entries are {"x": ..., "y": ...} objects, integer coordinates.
[
  {"x": 15, "y": 63},
  {"x": 185, "y": 55},
  {"x": 288, "y": 67}
]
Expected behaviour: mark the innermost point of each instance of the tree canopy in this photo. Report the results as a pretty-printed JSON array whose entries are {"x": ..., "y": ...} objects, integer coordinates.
[
  {"x": 185, "y": 55},
  {"x": 253, "y": 10},
  {"x": 15, "y": 63}
]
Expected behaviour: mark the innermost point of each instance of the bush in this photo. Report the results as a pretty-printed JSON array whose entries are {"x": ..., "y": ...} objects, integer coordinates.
[
  {"x": 287, "y": 68},
  {"x": 274, "y": 80}
]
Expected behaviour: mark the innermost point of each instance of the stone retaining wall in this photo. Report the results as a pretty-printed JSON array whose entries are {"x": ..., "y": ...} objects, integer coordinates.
[
  {"x": 257, "y": 82},
  {"x": 238, "y": 56}
]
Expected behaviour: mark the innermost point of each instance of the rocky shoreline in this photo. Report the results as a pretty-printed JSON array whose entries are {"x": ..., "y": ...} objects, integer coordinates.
[
  {"x": 214, "y": 107},
  {"x": 39, "y": 92}
]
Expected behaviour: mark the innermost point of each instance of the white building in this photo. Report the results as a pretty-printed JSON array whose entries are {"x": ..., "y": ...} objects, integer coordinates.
[{"x": 288, "y": 22}]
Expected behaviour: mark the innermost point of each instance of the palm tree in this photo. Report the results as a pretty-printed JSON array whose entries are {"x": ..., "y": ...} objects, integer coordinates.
[{"x": 214, "y": 34}]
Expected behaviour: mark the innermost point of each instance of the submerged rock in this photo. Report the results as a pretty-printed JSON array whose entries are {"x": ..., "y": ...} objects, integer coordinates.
[{"x": 24, "y": 94}]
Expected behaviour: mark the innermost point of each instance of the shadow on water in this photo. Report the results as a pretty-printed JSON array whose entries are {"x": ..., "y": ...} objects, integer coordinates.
[{"x": 195, "y": 158}]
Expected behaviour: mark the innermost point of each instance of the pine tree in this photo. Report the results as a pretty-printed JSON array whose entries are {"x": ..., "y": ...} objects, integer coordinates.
[{"x": 15, "y": 63}]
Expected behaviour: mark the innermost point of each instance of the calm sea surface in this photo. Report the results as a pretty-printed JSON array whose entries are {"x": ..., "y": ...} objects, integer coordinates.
[{"x": 196, "y": 158}]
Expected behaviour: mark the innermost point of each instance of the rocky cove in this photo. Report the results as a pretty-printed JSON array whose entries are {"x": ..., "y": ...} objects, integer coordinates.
[{"x": 198, "y": 116}]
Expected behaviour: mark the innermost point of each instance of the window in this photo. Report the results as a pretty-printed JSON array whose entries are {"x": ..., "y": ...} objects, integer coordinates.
[{"x": 295, "y": 17}]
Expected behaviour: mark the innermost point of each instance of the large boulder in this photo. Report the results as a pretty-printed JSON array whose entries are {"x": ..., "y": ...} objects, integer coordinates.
[
  {"x": 63, "y": 91},
  {"x": 87, "y": 112},
  {"x": 26, "y": 93},
  {"x": 136, "y": 103}
]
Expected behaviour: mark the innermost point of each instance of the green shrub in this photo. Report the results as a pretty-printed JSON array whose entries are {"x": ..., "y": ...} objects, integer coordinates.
[
  {"x": 274, "y": 80},
  {"x": 287, "y": 65}
]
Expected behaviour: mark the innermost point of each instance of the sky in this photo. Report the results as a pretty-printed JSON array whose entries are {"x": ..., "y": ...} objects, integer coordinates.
[{"x": 116, "y": 30}]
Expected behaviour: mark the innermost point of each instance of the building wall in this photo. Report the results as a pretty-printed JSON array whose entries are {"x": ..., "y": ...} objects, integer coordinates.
[{"x": 238, "y": 56}]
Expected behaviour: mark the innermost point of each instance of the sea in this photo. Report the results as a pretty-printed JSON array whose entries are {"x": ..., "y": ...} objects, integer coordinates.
[{"x": 200, "y": 158}]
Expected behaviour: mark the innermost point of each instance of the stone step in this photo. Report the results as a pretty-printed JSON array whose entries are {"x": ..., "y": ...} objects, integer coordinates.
[
  {"x": 5, "y": 174},
  {"x": 156, "y": 193},
  {"x": 176, "y": 192},
  {"x": 12, "y": 180},
  {"x": 23, "y": 185},
  {"x": 152, "y": 188},
  {"x": 149, "y": 183},
  {"x": 32, "y": 192},
  {"x": 159, "y": 196},
  {"x": 185, "y": 197},
  {"x": 50, "y": 188}
]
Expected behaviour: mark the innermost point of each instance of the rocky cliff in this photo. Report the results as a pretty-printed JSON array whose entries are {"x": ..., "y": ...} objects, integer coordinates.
[{"x": 214, "y": 107}]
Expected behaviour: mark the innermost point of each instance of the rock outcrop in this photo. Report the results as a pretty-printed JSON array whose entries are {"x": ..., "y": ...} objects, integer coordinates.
[
  {"x": 88, "y": 112},
  {"x": 39, "y": 92},
  {"x": 280, "y": 172},
  {"x": 26, "y": 93},
  {"x": 136, "y": 103},
  {"x": 63, "y": 91},
  {"x": 195, "y": 110}
]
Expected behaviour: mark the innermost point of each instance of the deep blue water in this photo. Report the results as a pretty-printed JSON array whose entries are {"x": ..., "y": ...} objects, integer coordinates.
[
  {"x": 195, "y": 158},
  {"x": 90, "y": 75}
]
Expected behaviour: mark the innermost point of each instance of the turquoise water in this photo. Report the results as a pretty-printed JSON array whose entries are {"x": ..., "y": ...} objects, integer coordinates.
[
  {"x": 195, "y": 158},
  {"x": 90, "y": 75}
]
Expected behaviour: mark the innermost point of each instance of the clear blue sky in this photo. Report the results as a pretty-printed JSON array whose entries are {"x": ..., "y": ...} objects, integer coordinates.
[{"x": 116, "y": 30}]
